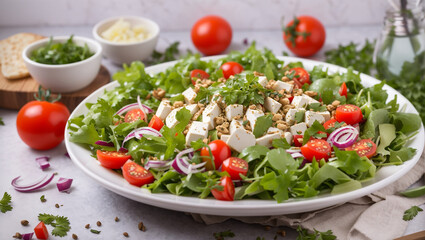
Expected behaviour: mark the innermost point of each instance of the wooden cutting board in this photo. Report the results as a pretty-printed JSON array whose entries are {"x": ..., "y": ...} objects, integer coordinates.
[{"x": 16, "y": 93}]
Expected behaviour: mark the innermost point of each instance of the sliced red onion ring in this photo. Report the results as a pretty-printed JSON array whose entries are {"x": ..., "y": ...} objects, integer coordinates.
[
  {"x": 156, "y": 164},
  {"x": 136, "y": 105},
  {"x": 293, "y": 150},
  {"x": 104, "y": 143},
  {"x": 343, "y": 137},
  {"x": 64, "y": 184},
  {"x": 182, "y": 165},
  {"x": 139, "y": 132},
  {"x": 27, "y": 236},
  {"x": 297, "y": 155},
  {"x": 43, "y": 162},
  {"x": 33, "y": 186}
]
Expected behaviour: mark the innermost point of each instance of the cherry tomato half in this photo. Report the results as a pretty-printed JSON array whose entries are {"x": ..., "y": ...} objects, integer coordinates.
[
  {"x": 343, "y": 90},
  {"x": 41, "y": 231},
  {"x": 235, "y": 166},
  {"x": 220, "y": 151},
  {"x": 298, "y": 140},
  {"x": 330, "y": 123},
  {"x": 112, "y": 159},
  {"x": 316, "y": 148},
  {"x": 156, "y": 123},
  {"x": 135, "y": 174},
  {"x": 198, "y": 74},
  {"x": 41, "y": 124},
  {"x": 231, "y": 68},
  {"x": 211, "y": 35},
  {"x": 228, "y": 192},
  {"x": 134, "y": 115},
  {"x": 301, "y": 76},
  {"x": 348, "y": 113},
  {"x": 306, "y": 46},
  {"x": 364, "y": 147}
]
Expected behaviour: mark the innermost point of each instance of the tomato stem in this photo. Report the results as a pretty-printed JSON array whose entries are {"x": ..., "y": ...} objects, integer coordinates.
[
  {"x": 291, "y": 32},
  {"x": 45, "y": 95}
]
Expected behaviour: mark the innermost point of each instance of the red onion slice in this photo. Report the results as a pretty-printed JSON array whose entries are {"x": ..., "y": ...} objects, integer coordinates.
[
  {"x": 64, "y": 184},
  {"x": 297, "y": 155},
  {"x": 43, "y": 162},
  {"x": 27, "y": 236},
  {"x": 33, "y": 186},
  {"x": 156, "y": 164},
  {"x": 137, "y": 105},
  {"x": 104, "y": 143},
  {"x": 139, "y": 132},
  {"x": 182, "y": 165},
  {"x": 343, "y": 137}
]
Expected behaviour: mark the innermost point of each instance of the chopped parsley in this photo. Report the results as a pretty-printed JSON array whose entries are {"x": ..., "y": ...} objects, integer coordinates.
[
  {"x": 171, "y": 53},
  {"x": 304, "y": 235},
  {"x": 5, "y": 203},
  {"x": 42, "y": 198},
  {"x": 224, "y": 234},
  {"x": 411, "y": 213},
  {"x": 61, "y": 224}
]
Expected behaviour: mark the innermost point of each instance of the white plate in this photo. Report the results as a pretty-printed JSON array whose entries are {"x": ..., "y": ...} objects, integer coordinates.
[{"x": 251, "y": 207}]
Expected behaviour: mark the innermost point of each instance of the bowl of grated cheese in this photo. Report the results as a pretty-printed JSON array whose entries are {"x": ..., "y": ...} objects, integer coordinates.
[{"x": 127, "y": 39}]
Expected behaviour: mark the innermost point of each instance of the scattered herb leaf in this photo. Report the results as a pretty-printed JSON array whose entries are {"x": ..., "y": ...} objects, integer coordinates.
[
  {"x": 304, "y": 235},
  {"x": 224, "y": 234},
  {"x": 61, "y": 224},
  {"x": 1, "y": 121},
  {"x": 171, "y": 53},
  {"x": 411, "y": 213},
  {"x": 5, "y": 203},
  {"x": 95, "y": 231},
  {"x": 42, "y": 198}
]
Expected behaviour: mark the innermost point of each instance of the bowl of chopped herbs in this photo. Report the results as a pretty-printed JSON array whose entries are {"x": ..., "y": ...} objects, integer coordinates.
[{"x": 64, "y": 63}]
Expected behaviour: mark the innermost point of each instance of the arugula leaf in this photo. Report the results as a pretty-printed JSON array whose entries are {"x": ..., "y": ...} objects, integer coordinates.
[
  {"x": 278, "y": 184},
  {"x": 5, "y": 203},
  {"x": 281, "y": 143},
  {"x": 263, "y": 123},
  {"x": 406, "y": 122},
  {"x": 316, "y": 235},
  {"x": 352, "y": 164},
  {"x": 375, "y": 118},
  {"x": 387, "y": 135},
  {"x": 280, "y": 160},
  {"x": 61, "y": 224},
  {"x": 254, "y": 152},
  {"x": 411, "y": 213}
]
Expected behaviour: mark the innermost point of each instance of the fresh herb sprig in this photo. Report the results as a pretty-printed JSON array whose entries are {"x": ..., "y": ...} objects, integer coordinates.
[
  {"x": 5, "y": 203},
  {"x": 171, "y": 53},
  {"x": 411, "y": 213},
  {"x": 61, "y": 224},
  {"x": 303, "y": 234},
  {"x": 292, "y": 33},
  {"x": 224, "y": 234}
]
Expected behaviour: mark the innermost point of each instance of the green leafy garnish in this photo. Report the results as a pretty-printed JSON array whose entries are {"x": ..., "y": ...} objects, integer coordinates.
[
  {"x": 303, "y": 234},
  {"x": 61, "y": 53},
  {"x": 1, "y": 121},
  {"x": 262, "y": 124},
  {"x": 42, "y": 198},
  {"x": 95, "y": 231},
  {"x": 61, "y": 224},
  {"x": 224, "y": 234},
  {"x": 411, "y": 213},
  {"x": 5, "y": 203},
  {"x": 171, "y": 53}
]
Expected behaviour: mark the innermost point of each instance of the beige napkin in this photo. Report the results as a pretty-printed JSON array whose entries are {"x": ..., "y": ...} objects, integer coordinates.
[{"x": 376, "y": 216}]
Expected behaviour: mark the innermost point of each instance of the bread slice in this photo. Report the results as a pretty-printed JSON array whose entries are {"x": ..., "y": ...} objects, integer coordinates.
[{"x": 12, "y": 64}]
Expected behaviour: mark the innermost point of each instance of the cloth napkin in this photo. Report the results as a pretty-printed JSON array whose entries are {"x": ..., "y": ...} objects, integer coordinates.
[{"x": 375, "y": 216}]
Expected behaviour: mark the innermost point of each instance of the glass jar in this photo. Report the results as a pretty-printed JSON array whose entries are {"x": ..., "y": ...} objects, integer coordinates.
[{"x": 400, "y": 50}]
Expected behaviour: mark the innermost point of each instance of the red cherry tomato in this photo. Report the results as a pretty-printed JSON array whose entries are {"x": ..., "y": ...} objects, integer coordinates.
[
  {"x": 330, "y": 123},
  {"x": 198, "y": 73},
  {"x": 156, "y": 123},
  {"x": 134, "y": 115},
  {"x": 308, "y": 45},
  {"x": 136, "y": 175},
  {"x": 298, "y": 140},
  {"x": 220, "y": 152},
  {"x": 316, "y": 148},
  {"x": 211, "y": 35},
  {"x": 364, "y": 147},
  {"x": 112, "y": 159},
  {"x": 348, "y": 113},
  {"x": 231, "y": 68},
  {"x": 228, "y": 192},
  {"x": 301, "y": 76},
  {"x": 41, "y": 231},
  {"x": 343, "y": 90},
  {"x": 235, "y": 166},
  {"x": 41, "y": 124}
]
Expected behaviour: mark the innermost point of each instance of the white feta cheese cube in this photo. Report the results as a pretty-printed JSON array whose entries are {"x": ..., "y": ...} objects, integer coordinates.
[
  {"x": 267, "y": 139},
  {"x": 211, "y": 111},
  {"x": 300, "y": 101},
  {"x": 235, "y": 124},
  {"x": 189, "y": 95},
  {"x": 274, "y": 130},
  {"x": 310, "y": 99},
  {"x": 224, "y": 137},
  {"x": 193, "y": 108},
  {"x": 288, "y": 137},
  {"x": 311, "y": 117},
  {"x": 326, "y": 115},
  {"x": 262, "y": 80},
  {"x": 241, "y": 139},
  {"x": 233, "y": 111},
  {"x": 198, "y": 130},
  {"x": 298, "y": 129},
  {"x": 252, "y": 115},
  {"x": 171, "y": 120},
  {"x": 164, "y": 109},
  {"x": 279, "y": 85},
  {"x": 272, "y": 105}
]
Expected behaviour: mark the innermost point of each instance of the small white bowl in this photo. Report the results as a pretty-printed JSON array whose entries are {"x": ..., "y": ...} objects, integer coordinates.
[
  {"x": 127, "y": 52},
  {"x": 64, "y": 78}
]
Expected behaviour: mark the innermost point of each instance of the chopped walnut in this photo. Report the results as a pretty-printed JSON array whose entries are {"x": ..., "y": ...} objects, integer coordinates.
[
  {"x": 205, "y": 140},
  {"x": 253, "y": 107},
  {"x": 237, "y": 117},
  {"x": 198, "y": 113},
  {"x": 220, "y": 120},
  {"x": 222, "y": 129},
  {"x": 257, "y": 74},
  {"x": 310, "y": 93},
  {"x": 248, "y": 126},
  {"x": 336, "y": 103},
  {"x": 284, "y": 101},
  {"x": 285, "y": 79},
  {"x": 277, "y": 117},
  {"x": 158, "y": 93},
  {"x": 148, "y": 96},
  {"x": 298, "y": 92},
  {"x": 196, "y": 88},
  {"x": 178, "y": 104},
  {"x": 221, "y": 80},
  {"x": 282, "y": 126}
]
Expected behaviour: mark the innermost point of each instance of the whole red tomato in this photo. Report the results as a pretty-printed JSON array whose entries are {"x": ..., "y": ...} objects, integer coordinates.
[
  {"x": 304, "y": 36},
  {"x": 41, "y": 124},
  {"x": 211, "y": 35}
]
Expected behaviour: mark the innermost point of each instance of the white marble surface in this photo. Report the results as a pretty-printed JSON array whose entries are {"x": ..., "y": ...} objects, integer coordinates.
[
  {"x": 88, "y": 202},
  {"x": 182, "y": 14}
]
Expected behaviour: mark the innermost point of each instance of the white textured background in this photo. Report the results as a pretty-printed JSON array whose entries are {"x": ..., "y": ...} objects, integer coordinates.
[{"x": 181, "y": 14}]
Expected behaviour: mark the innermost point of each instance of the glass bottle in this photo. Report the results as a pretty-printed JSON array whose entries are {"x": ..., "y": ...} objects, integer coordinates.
[{"x": 400, "y": 50}]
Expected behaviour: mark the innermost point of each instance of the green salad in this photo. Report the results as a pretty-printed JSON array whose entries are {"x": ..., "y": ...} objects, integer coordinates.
[{"x": 245, "y": 126}]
